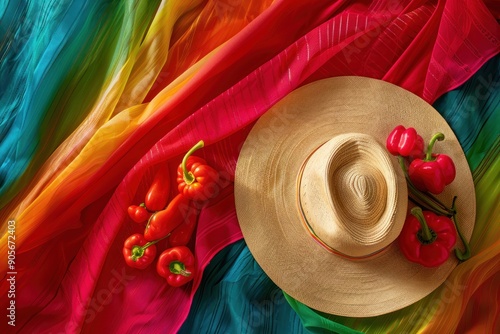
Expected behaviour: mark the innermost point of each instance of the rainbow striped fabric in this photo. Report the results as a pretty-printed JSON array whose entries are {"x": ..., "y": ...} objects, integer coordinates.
[{"x": 95, "y": 95}]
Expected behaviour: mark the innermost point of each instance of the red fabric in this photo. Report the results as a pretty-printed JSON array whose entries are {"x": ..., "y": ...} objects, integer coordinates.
[
  {"x": 71, "y": 271},
  {"x": 484, "y": 303}
]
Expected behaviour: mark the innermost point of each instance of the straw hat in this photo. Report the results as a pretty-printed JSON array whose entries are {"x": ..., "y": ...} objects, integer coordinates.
[{"x": 320, "y": 201}]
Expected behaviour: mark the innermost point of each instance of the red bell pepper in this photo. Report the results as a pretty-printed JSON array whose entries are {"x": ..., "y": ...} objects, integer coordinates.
[
  {"x": 434, "y": 172},
  {"x": 427, "y": 238},
  {"x": 163, "y": 222},
  {"x": 195, "y": 178},
  {"x": 176, "y": 265},
  {"x": 405, "y": 142},
  {"x": 138, "y": 213},
  {"x": 138, "y": 252},
  {"x": 181, "y": 235},
  {"x": 157, "y": 196}
]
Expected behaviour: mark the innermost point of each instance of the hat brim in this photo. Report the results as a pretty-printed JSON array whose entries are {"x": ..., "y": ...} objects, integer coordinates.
[{"x": 266, "y": 196}]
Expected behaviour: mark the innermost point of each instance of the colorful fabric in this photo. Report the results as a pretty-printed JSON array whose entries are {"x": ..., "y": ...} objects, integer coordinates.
[{"x": 95, "y": 96}]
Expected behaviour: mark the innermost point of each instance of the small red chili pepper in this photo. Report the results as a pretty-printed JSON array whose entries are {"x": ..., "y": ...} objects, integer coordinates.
[
  {"x": 181, "y": 235},
  {"x": 138, "y": 213},
  {"x": 176, "y": 265},
  {"x": 138, "y": 252},
  {"x": 434, "y": 172},
  {"x": 405, "y": 142},
  {"x": 195, "y": 178},
  {"x": 157, "y": 196},
  {"x": 163, "y": 222},
  {"x": 427, "y": 238}
]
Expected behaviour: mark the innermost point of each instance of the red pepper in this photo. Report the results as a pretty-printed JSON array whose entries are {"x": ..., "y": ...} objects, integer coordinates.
[
  {"x": 176, "y": 265},
  {"x": 434, "y": 172},
  {"x": 181, "y": 235},
  {"x": 157, "y": 196},
  {"x": 427, "y": 238},
  {"x": 163, "y": 222},
  {"x": 405, "y": 142},
  {"x": 138, "y": 213},
  {"x": 138, "y": 252},
  {"x": 195, "y": 178}
]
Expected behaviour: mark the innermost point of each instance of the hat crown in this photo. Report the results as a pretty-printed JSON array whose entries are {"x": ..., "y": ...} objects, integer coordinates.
[
  {"x": 272, "y": 190},
  {"x": 348, "y": 195}
]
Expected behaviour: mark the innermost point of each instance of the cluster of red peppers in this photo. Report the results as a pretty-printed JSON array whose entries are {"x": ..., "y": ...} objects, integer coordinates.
[
  {"x": 173, "y": 221},
  {"x": 429, "y": 236}
]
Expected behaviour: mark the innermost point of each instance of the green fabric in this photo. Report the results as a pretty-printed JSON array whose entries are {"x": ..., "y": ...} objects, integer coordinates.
[{"x": 314, "y": 324}]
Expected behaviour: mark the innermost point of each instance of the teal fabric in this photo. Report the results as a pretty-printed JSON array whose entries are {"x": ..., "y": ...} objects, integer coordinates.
[
  {"x": 33, "y": 35},
  {"x": 236, "y": 296},
  {"x": 473, "y": 111}
]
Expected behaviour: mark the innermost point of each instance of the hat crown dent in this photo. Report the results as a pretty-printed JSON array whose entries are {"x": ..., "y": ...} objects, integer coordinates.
[
  {"x": 348, "y": 195},
  {"x": 358, "y": 194}
]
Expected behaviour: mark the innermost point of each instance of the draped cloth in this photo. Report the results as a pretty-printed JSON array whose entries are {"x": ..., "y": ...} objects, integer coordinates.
[{"x": 104, "y": 93}]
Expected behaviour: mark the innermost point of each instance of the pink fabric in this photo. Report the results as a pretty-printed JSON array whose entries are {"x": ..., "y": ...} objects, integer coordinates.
[{"x": 418, "y": 46}]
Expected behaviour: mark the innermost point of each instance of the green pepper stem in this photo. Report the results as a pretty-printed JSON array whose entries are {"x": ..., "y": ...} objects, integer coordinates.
[
  {"x": 143, "y": 205},
  {"x": 462, "y": 256},
  {"x": 426, "y": 232},
  {"x": 425, "y": 199},
  {"x": 178, "y": 268},
  {"x": 188, "y": 176},
  {"x": 428, "y": 154},
  {"x": 138, "y": 251}
]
